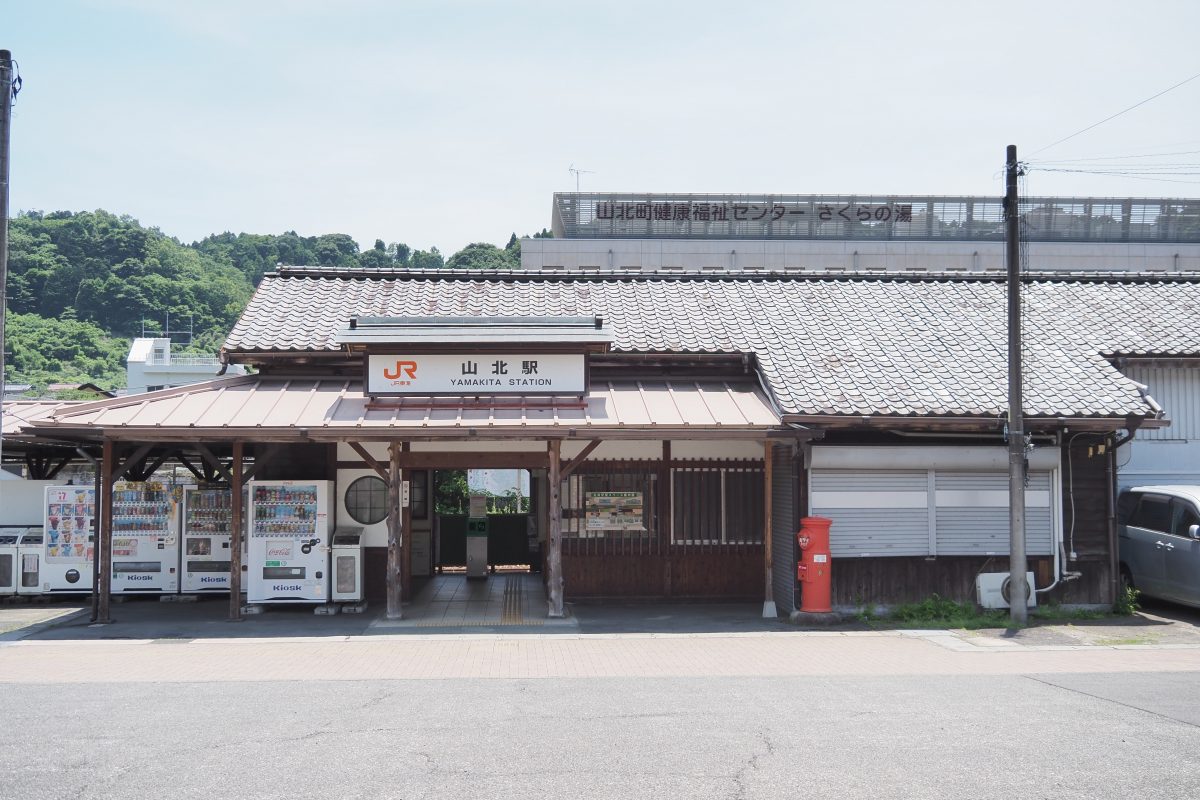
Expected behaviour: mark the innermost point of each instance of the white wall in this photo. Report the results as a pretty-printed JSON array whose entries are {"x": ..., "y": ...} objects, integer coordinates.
[
  {"x": 23, "y": 502},
  {"x": 805, "y": 254}
]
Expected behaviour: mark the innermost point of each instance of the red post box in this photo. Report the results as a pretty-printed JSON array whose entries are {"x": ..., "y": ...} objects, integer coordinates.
[{"x": 813, "y": 571}]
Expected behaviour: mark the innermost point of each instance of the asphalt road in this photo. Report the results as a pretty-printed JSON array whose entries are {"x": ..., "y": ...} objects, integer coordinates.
[{"x": 1037, "y": 736}]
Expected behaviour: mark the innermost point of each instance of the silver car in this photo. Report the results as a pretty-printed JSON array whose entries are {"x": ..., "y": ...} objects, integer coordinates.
[{"x": 1160, "y": 541}]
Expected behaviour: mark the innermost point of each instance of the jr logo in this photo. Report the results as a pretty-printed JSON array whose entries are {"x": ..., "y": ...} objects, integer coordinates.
[{"x": 403, "y": 368}]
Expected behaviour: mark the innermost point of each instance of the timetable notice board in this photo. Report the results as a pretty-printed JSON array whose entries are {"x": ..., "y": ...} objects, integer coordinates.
[{"x": 614, "y": 511}]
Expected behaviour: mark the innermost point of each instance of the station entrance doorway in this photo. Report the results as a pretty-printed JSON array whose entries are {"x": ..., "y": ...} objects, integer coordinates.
[{"x": 492, "y": 512}]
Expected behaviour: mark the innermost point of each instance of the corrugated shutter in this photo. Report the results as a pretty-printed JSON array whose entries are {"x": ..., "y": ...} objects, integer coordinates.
[
  {"x": 874, "y": 513},
  {"x": 783, "y": 520},
  {"x": 929, "y": 512},
  {"x": 972, "y": 514}
]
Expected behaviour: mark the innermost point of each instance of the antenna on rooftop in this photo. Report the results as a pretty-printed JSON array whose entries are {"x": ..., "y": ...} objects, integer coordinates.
[
  {"x": 577, "y": 171},
  {"x": 166, "y": 333}
]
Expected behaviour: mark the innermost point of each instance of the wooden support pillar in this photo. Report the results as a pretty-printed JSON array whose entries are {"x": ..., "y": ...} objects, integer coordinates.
[
  {"x": 395, "y": 522},
  {"x": 554, "y": 582},
  {"x": 405, "y": 531},
  {"x": 103, "y": 540},
  {"x": 769, "y": 610},
  {"x": 236, "y": 527},
  {"x": 665, "y": 522}
]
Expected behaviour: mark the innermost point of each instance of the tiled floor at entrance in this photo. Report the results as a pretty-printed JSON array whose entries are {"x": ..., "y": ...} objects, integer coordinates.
[{"x": 452, "y": 601}]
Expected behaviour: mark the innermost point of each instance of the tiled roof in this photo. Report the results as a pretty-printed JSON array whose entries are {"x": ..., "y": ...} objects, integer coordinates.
[{"x": 826, "y": 346}]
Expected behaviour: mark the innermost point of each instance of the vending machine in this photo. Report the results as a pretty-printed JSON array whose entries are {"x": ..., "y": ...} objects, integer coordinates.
[
  {"x": 290, "y": 528},
  {"x": 69, "y": 540},
  {"x": 145, "y": 537},
  {"x": 207, "y": 525}
]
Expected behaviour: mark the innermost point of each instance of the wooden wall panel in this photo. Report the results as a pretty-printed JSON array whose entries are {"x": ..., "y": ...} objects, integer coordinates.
[
  {"x": 701, "y": 573},
  {"x": 889, "y": 581},
  {"x": 1087, "y": 479}
]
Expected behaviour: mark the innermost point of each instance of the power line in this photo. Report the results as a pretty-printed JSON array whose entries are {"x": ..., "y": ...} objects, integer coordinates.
[
  {"x": 1114, "y": 116},
  {"x": 1117, "y": 158}
]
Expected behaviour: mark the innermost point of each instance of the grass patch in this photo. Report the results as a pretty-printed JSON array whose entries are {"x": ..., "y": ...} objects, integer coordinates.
[{"x": 940, "y": 612}]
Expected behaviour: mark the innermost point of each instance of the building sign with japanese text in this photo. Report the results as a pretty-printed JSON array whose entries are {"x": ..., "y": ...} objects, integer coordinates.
[
  {"x": 474, "y": 374},
  {"x": 753, "y": 212}
]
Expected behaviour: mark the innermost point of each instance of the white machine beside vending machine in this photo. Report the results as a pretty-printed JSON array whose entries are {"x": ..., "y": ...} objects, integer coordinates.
[
  {"x": 30, "y": 552},
  {"x": 290, "y": 529},
  {"x": 347, "y": 565},
  {"x": 9, "y": 536},
  {"x": 68, "y": 546},
  {"x": 207, "y": 521},
  {"x": 145, "y": 537}
]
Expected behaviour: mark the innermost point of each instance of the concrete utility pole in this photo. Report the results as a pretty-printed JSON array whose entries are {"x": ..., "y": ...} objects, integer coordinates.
[
  {"x": 6, "y": 96},
  {"x": 1018, "y": 591}
]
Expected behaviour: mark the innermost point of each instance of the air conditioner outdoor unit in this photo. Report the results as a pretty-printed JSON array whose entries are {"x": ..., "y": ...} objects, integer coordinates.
[{"x": 991, "y": 589}]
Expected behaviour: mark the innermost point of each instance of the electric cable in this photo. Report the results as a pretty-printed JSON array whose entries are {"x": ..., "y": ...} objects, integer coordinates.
[{"x": 1114, "y": 116}]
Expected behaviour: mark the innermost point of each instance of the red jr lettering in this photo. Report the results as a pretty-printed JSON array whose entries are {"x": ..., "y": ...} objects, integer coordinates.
[{"x": 408, "y": 368}]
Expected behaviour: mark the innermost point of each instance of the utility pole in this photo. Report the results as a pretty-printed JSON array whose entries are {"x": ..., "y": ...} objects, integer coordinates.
[
  {"x": 1018, "y": 591},
  {"x": 6, "y": 97}
]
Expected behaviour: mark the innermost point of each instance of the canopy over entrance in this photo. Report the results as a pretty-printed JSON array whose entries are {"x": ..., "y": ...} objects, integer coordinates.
[{"x": 269, "y": 408}]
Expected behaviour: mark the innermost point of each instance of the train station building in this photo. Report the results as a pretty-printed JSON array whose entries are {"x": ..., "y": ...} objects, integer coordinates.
[{"x": 678, "y": 414}]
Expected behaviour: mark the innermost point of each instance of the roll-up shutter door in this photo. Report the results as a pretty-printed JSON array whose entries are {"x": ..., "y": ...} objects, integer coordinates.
[
  {"x": 972, "y": 514},
  {"x": 874, "y": 513},
  {"x": 929, "y": 512}
]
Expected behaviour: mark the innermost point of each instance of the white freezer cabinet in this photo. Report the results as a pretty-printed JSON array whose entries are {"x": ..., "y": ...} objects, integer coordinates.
[
  {"x": 8, "y": 559},
  {"x": 20, "y": 560},
  {"x": 290, "y": 531},
  {"x": 30, "y": 552}
]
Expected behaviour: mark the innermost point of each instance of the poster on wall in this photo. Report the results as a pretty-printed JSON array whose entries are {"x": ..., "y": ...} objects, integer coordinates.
[{"x": 614, "y": 511}]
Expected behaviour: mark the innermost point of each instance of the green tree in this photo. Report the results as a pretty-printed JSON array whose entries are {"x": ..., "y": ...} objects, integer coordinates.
[
  {"x": 431, "y": 259},
  {"x": 48, "y": 351},
  {"x": 480, "y": 255}
]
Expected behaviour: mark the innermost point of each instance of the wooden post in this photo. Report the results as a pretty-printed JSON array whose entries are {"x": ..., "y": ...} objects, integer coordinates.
[
  {"x": 769, "y": 610},
  {"x": 665, "y": 522},
  {"x": 395, "y": 522},
  {"x": 554, "y": 582},
  {"x": 104, "y": 539},
  {"x": 236, "y": 526},
  {"x": 406, "y": 532}
]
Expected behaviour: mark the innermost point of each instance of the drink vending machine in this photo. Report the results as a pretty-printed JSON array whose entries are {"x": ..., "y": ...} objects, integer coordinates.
[
  {"x": 290, "y": 527},
  {"x": 207, "y": 524},
  {"x": 69, "y": 542},
  {"x": 145, "y": 537}
]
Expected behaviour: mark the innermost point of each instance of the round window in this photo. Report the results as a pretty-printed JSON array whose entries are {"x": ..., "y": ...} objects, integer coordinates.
[{"x": 366, "y": 500}]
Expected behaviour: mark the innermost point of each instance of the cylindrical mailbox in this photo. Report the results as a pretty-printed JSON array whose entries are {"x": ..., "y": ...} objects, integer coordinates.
[{"x": 813, "y": 571}]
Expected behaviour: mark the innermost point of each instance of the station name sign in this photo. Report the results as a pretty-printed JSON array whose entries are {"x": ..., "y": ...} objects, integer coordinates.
[{"x": 473, "y": 374}]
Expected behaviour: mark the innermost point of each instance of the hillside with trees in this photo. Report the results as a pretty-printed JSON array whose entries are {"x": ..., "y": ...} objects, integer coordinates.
[{"x": 82, "y": 284}]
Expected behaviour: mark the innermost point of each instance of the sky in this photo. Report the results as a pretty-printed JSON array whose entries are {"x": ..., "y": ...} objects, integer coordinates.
[{"x": 444, "y": 123}]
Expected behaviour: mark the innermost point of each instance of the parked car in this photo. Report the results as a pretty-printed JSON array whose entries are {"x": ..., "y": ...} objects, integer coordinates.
[{"x": 1159, "y": 541}]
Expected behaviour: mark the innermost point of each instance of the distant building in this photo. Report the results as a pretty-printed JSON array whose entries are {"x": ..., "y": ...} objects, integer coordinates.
[
  {"x": 14, "y": 391},
  {"x": 151, "y": 366}
]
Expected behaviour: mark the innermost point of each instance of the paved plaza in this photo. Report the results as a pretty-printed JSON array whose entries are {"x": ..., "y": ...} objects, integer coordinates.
[{"x": 627, "y": 701}]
